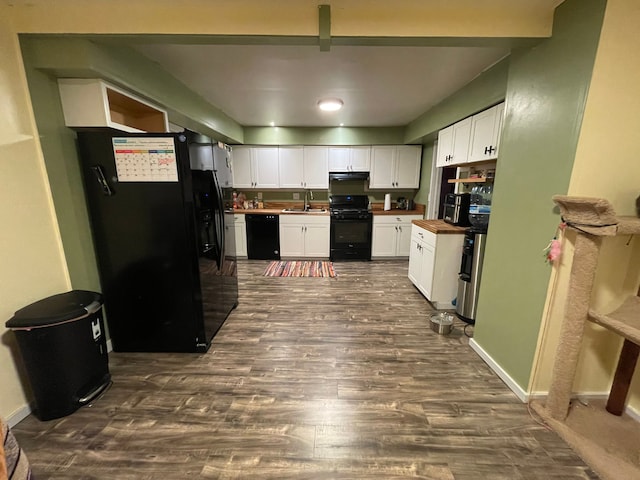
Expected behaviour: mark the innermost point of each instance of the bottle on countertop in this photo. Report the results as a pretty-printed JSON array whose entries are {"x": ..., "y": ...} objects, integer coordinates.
[
  {"x": 235, "y": 200},
  {"x": 480, "y": 207}
]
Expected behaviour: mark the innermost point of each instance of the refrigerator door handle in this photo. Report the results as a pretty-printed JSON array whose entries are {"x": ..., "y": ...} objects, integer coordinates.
[
  {"x": 102, "y": 180},
  {"x": 220, "y": 231}
]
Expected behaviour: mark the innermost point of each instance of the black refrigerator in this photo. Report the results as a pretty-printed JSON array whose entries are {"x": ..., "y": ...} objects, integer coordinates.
[{"x": 159, "y": 234}]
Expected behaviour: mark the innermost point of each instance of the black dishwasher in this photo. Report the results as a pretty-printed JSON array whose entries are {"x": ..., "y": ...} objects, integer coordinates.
[{"x": 263, "y": 237}]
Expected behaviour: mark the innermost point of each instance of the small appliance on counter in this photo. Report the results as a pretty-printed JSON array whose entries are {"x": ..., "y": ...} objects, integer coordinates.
[
  {"x": 456, "y": 209},
  {"x": 405, "y": 204}
]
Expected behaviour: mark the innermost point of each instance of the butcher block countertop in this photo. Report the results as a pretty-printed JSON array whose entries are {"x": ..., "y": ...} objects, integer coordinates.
[{"x": 439, "y": 227}]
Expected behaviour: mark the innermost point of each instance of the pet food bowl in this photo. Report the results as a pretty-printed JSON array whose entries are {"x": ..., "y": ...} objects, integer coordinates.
[{"x": 442, "y": 323}]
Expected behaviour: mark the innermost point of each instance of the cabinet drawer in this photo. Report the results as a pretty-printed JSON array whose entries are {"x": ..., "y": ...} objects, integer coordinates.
[{"x": 423, "y": 235}]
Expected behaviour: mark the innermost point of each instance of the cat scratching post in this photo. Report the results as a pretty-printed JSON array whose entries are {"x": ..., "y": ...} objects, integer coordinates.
[
  {"x": 592, "y": 219},
  {"x": 583, "y": 271}
]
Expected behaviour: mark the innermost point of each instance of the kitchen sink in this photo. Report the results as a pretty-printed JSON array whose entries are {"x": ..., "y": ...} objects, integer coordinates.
[{"x": 302, "y": 210}]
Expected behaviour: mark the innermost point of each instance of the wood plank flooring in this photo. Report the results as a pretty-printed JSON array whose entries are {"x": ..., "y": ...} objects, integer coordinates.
[{"x": 309, "y": 378}]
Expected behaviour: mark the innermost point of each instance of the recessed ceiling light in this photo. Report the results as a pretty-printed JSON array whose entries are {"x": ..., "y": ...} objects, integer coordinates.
[
  {"x": 273, "y": 124},
  {"x": 342, "y": 124},
  {"x": 330, "y": 104}
]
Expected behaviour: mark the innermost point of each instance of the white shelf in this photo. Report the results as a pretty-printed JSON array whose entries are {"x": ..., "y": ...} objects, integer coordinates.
[{"x": 95, "y": 103}]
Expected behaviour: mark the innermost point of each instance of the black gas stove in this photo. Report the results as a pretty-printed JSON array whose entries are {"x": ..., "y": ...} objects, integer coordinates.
[{"x": 351, "y": 226}]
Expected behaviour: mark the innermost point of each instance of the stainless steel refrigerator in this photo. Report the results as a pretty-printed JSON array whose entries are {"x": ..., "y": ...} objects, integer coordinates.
[{"x": 159, "y": 237}]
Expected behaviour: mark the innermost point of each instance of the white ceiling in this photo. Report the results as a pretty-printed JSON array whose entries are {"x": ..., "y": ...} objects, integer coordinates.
[{"x": 380, "y": 86}]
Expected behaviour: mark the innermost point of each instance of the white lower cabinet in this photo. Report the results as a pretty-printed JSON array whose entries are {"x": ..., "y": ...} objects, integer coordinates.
[
  {"x": 235, "y": 240},
  {"x": 304, "y": 236},
  {"x": 392, "y": 235},
  {"x": 434, "y": 263}
]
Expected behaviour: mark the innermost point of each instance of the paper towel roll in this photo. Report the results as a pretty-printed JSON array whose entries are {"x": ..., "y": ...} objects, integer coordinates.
[{"x": 387, "y": 201}]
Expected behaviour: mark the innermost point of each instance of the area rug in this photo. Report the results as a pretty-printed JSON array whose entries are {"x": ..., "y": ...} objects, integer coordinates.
[{"x": 304, "y": 268}]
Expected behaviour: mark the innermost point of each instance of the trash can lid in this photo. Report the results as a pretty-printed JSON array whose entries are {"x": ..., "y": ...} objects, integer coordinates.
[{"x": 55, "y": 309}]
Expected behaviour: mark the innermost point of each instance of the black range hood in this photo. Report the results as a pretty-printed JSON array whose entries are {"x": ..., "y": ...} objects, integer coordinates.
[{"x": 342, "y": 176}]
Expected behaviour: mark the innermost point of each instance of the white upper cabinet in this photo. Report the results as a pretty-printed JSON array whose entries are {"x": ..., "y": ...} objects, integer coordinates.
[
  {"x": 95, "y": 103},
  {"x": 291, "y": 166},
  {"x": 222, "y": 166},
  {"x": 395, "y": 166},
  {"x": 241, "y": 164},
  {"x": 350, "y": 159},
  {"x": 485, "y": 134},
  {"x": 255, "y": 167},
  {"x": 316, "y": 167},
  {"x": 453, "y": 144},
  {"x": 304, "y": 167}
]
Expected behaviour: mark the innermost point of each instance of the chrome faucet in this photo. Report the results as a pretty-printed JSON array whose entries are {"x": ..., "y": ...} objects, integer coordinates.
[{"x": 307, "y": 205}]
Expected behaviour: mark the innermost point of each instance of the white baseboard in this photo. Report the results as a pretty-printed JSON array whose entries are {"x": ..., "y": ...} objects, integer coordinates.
[
  {"x": 506, "y": 378},
  {"x": 19, "y": 415},
  {"x": 539, "y": 395}
]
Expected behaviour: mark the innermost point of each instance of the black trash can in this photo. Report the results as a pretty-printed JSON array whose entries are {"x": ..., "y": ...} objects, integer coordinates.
[{"x": 62, "y": 342}]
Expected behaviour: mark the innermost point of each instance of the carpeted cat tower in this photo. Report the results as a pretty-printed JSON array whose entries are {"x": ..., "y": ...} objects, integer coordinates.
[{"x": 607, "y": 441}]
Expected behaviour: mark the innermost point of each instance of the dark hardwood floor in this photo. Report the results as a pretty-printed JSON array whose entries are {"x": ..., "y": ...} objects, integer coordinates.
[{"x": 314, "y": 378}]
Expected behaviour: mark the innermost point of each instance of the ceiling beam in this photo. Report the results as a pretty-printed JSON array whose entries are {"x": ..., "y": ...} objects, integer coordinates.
[{"x": 324, "y": 27}]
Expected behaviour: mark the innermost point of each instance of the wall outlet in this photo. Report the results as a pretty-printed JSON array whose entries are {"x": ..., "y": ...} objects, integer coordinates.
[
  {"x": 259, "y": 195},
  {"x": 296, "y": 196}
]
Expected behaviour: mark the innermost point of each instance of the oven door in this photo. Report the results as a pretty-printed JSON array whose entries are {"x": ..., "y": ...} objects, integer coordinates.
[{"x": 351, "y": 238}]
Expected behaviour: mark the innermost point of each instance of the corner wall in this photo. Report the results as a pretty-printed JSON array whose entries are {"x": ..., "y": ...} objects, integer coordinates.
[
  {"x": 32, "y": 264},
  {"x": 546, "y": 93},
  {"x": 606, "y": 166}
]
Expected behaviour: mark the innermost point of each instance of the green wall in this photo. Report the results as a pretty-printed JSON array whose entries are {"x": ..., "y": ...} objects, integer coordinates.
[
  {"x": 482, "y": 92},
  {"x": 59, "y": 148},
  {"x": 546, "y": 94},
  {"x": 75, "y": 57}
]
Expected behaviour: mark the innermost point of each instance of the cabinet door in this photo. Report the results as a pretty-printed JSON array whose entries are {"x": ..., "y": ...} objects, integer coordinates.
[
  {"x": 485, "y": 133},
  {"x": 428, "y": 265},
  {"x": 292, "y": 239},
  {"x": 291, "y": 167},
  {"x": 408, "y": 159},
  {"x": 339, "y": 160},
  {"x": 403, "y": 241},
  {"x": 241, "y": 164},
  {"x": 382, "y": 167},
  {"x": 316, "y": 167},
  {"x": 316, "y": 240},
  {"x": 230, "y": 238},
  {"x": 265, "y": 167},
  {"x": 445, "y": 147},
  {"x": 241, "y": 239},
  {"x": 383, "y": 242},
  {"x": 360, "y": 159},
  {"x": 415, "y": 262},
  {"x": 461, "y": 140},
  {"x": 222, "y": 166}
]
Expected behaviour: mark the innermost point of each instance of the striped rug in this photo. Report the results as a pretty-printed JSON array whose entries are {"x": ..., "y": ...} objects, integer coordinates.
[{"x": 304, "y": 268}]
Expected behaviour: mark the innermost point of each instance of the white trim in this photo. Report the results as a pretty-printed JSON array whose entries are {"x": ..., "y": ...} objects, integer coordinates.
[
  {"x": 109, "y": 346},
  {"x": 540, "y": 395},
  {"x": 434, "y": 187},
  {"x": 19, "y": 415},
  {"x": 504, "y": 376},
  {"x": 633, "y": 413}
]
